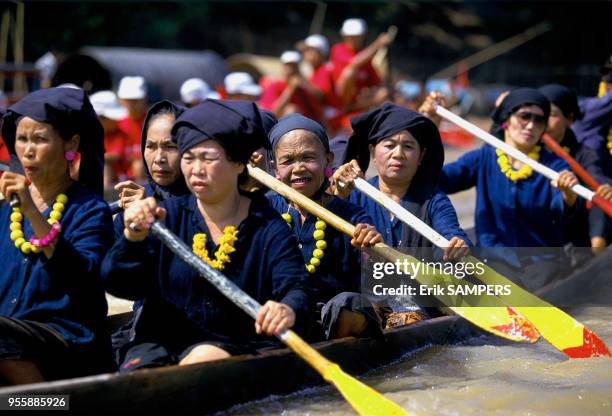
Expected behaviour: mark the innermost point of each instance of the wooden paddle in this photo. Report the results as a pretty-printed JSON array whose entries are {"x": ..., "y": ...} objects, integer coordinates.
[
  {"x": 576, "y": 167},
  {"x": 560, "y": 329},
  {"x": 491, "y": 314},
  {"x": 365, "y": 400},
  {"x": 580, "y": 190}
]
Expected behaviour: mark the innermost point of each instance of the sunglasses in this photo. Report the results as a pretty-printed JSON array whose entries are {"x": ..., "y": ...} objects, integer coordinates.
[{"x": 525, "y": 117}]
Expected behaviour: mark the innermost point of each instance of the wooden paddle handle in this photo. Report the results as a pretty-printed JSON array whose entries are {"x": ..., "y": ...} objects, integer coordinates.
[
  {"x": 308, "y": 354},
  {"x": 303, "y": 201},
  {"x": 576, "y": 167}
]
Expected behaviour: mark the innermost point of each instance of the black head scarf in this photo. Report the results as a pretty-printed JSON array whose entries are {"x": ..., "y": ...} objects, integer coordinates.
[
  {"x": 387, "y": 120},
  {"x": 564, "y": 98},
  {"x": 179, "y": 187},
  {"x": 235, "y": 125},
  {"x": 512, "y": 102},
  {"x": 298, "y": 122},
  {"x": 268, "y": 120},
  {"x": 69, "y": 111}
]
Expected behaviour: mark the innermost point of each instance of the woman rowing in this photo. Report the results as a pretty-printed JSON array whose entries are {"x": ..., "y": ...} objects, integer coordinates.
[
  {"x": 564, "y": 110},
  {"x": 302, "y": 160},
  {"x": 52, "y": 303},
  {"x": 242, "y": 237},
  {"x": 516, "y": 207},
  {"x": 408, "y": 156}
]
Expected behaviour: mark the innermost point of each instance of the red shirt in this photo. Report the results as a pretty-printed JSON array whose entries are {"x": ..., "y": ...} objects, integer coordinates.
[
  {"x": 305, "y": 102},
  {"x": 341, "y": 55},
  {"x": 132, "y": 128},
  {"x": 116, "y": 144},
  {"x": 323, "y": 79},
  {"x": 4, "y": 154}
]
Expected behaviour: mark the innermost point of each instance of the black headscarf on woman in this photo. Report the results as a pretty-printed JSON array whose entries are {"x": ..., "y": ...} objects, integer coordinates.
[
  {"x": 235, "y": 125},
  {"x": 69, "y": 111},
  {"x": 387, "y": 120},
  {"x": 512, "y": 102},
  {"x": 179, "y": 187},
  {"x": 564, "y": 98}
]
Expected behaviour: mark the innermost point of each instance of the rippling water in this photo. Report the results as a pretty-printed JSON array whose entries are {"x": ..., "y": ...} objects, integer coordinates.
[{"x": 483, "y": 376}]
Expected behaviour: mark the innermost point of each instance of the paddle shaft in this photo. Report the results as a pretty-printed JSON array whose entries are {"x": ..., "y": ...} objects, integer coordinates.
[
  {"x": 15, "y": 202},
  {"x": 238, "y": 296},
  {"x": 576, "y": 167},
  {"x": 518, "y": 155}
]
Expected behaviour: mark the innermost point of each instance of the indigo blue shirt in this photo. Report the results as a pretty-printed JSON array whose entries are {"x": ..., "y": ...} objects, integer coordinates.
[
  {"x": 340, "y": 269},
  {"x": 267, "y": 264},
  {"x": 66, "y": 290},
  {"x": 526, "y": 213},
  {"x": 440, "y": 215}
]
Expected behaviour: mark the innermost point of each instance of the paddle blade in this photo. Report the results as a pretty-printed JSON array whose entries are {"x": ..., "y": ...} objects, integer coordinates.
[
  {"x": 592, "y": 346},
  {"x": 364, "y": 399},
  {"x": 502, "y": 321}
]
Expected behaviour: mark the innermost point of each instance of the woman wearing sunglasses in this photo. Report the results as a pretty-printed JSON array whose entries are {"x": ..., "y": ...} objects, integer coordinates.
[{"x": 516, "y": 208}]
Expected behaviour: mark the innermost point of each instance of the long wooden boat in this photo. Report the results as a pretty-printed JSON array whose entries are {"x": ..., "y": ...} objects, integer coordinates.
[{"x": 209, "y": 387}]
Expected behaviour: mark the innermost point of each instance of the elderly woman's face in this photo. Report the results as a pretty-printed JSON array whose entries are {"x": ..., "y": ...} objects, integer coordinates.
[
  {"x": 397, "y": 157},
  {"x": 40, "y": 150},
  {"x": 210, "y": 176},
  {"x": 161, "y": 153},
  {"x": 525, "y": 127},
  {"x": 301, "y": 161}
]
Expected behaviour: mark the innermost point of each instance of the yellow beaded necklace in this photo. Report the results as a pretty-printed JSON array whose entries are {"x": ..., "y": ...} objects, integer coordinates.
[
  {"x": 226, "y": 247},
  {"x": 16, "y": 227},
  {"x": 516, "y": 175},
  {"x": 610, "y": 141},
  {"x": 321, "y": 244}
]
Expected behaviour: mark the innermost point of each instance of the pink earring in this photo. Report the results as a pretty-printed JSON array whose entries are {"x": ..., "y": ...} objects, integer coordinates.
[
  {"x": 328, "y": 172},
  {"x": 70, "y": 155},
  {"x": 504, "y": 126}
]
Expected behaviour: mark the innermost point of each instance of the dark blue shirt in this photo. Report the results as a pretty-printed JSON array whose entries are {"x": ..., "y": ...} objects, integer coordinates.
[
  {"x": 526, "y": 213},
  {"x": 441, "y": 216},
  {"x": 66, "y": 290},
  {"x": 340, "y": 268},
  {"x": 267, "y": 264}
]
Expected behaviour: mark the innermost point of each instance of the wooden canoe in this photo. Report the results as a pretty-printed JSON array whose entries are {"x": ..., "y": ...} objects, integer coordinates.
[{"x": 214, "y": 386}]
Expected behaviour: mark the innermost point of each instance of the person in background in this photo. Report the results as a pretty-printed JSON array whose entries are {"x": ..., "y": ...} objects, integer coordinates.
[
  {"x": 358, "y": 84},
  {"x": 132, "y": 95},
  {"x": 196, "y": 90},
  {"x": 241, "y": 86},
  {"x": 293, "y": 93},
  {"x": 315, "y": 49},
  {"x": 109, "y": 112}
]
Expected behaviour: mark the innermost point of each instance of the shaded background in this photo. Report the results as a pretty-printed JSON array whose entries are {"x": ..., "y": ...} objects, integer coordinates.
[{"x": 432, "y": 34}]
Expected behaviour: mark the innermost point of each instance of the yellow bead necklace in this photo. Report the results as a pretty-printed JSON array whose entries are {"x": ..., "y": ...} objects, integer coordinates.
[
  {"x": 226, "y": 247},
  {"x": 321, "y": 244},
  {"x": 516, "y": 175}
]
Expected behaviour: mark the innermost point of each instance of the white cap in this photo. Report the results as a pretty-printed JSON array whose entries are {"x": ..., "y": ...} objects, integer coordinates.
[
  {"x": 291, "y": 57},
  {"x": 241, "y": 83},
  {"x": 105, "y": 104},
  {"x": 132, "y": 88},
  {"x": 354, "y": 27},
  {"x": 196, "y": 90},
  {"x": 318, "y": 42}
]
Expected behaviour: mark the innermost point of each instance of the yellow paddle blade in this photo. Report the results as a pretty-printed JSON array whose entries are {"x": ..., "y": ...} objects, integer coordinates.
[
  {"x": 557, "y": 327},
  {"x": 486, "y": 312},
  {"x": 365, "y": 400}
]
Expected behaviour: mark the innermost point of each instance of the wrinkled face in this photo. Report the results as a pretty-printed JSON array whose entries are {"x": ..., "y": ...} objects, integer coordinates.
[
  {"x": 397, "y": 157},
  {"x": 210, "y": 176},
  {"x": 161, "y": 154},
  {"x": 557, "y": 123},
  {"x": 313, "y": 56},
  {"x": 301, "y": 160},
  {"x": 40, "y": 150},
  {"x": 525, "y": 127}
]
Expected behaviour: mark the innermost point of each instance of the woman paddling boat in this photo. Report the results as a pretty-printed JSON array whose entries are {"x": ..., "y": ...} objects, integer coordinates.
[
  {"x": 52, "y": 303},
  {"x": 516, "y": 208},
  {"x": 302, "y": 160},
  {"x": 241, "y": 236}
]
